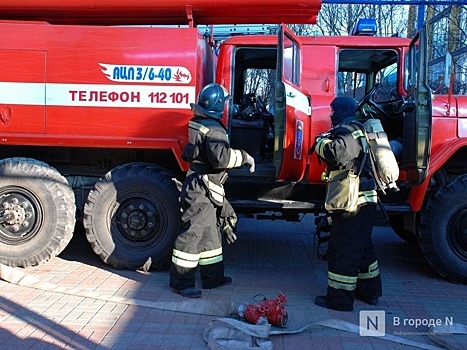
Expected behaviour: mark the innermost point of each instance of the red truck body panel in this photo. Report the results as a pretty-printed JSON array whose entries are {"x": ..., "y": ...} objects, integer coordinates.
[
  {"x": 449, "y": 135},
  {"x": 144, "y": 12},
  {"x": 70, "y": 87}
]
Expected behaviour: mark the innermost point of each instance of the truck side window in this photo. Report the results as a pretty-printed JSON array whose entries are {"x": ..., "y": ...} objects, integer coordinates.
[
  {"x": 291, "y": 61},
  {"x": 260, "y": 82},
  {"x": 352, "y": 84},
  {"x": 359, "y": 70}
]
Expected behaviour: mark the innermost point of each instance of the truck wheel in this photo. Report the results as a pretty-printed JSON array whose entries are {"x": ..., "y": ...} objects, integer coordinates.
[
  {"x": 133, "y": 214},
  {"x": 397, "y": 224},
  {"x": 37, "y": 212},
  {"x": 443, "y": 230}
]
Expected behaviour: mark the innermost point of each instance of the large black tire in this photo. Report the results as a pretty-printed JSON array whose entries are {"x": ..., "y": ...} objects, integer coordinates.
[
  {"x": 133, "y": 214},
  {"x": 443, "y": 230},
  {"x": 37, "y": 212}
]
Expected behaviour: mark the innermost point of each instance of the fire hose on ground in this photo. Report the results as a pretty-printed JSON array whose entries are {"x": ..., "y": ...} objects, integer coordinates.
[{"x": 225, "y": 332}]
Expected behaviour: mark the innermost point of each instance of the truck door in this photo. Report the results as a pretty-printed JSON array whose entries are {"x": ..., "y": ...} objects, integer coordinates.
[
  {"x": 417, "y": 125},
  {"x": 292, "y": 110}
]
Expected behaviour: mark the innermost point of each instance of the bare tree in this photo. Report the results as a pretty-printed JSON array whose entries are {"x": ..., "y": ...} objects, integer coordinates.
[
  {"x": 447, "y": 26},
  {"x": 335, "y": 19}
]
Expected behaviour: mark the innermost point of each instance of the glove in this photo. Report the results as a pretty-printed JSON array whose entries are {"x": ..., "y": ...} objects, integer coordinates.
[
  {"x": 229, "y": 234},
  {"x": 250, "y": 162}
]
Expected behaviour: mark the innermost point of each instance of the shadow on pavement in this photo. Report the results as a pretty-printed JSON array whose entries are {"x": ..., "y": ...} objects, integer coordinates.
[{"x": 57, "y": 337}]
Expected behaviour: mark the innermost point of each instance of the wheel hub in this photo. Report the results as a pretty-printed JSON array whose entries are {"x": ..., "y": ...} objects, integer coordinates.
[
  {"x": 17, "y": 216},
  {"x": 138, "y": 219}
]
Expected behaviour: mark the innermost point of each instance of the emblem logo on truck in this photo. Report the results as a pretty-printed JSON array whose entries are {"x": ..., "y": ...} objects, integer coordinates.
[{"x": 146, "y": 74}]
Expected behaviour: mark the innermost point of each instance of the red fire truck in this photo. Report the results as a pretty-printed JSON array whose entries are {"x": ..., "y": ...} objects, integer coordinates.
[{"x": 95, "y": 101}]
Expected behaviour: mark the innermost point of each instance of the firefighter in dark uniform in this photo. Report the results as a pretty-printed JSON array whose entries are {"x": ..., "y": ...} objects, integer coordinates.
[
  {"x": 206, "y": 213},
  {"x": 352, "y": 264}
]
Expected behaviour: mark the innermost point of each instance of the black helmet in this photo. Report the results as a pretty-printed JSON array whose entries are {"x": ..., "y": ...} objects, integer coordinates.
[{"x": 212, "y": 99}]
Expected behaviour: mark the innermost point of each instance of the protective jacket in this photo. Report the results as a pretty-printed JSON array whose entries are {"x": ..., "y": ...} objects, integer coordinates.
[
  {"x": 210, "y": 155},
  {"x": 352, "y": 263},
  {"x": 205, "y": 210},
  {"x": 343, "y": 148}
]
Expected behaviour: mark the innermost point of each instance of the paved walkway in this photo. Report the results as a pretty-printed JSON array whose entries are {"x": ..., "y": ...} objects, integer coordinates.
[{"x": 269, "y": 256}]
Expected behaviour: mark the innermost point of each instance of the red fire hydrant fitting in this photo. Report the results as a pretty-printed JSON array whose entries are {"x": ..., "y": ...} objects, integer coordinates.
[{"x": 267, "y": 311}]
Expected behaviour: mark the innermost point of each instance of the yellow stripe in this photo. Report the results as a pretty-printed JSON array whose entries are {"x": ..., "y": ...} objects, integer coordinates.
[
  {"x": 373, "y": 271},
  {"x": 186, "y": 256},
  {"x": 341, "y": 282},
  {"x": 211, "y": 257},
  {"x": 184, "y": 263},
  {"x": 320, "y": 146},
  {"x": 357, "y": 134},
  {"x": 235, "y": 159},
  {"x": 185, "y": 259},
  {"x": 210, "y": 253},
  {"x": 198, "y": 127},
  {"x": 217, "y": 192},
  {"x": 342, "y": 278},
  {"x": 210, "y": 261}
]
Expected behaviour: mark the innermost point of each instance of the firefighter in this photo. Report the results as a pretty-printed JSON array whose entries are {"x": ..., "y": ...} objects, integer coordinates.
[
  {"x": 352, "y": 264},
  {"x": 206, "y": 213}
]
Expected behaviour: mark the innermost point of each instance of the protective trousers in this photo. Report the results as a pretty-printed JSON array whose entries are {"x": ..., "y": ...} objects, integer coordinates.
[
  {"x": 352, "y": 264},
  {"x": 199, "y": 241}
]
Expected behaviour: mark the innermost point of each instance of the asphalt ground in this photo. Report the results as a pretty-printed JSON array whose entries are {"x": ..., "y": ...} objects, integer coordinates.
[{"x": 269, "y": 257}]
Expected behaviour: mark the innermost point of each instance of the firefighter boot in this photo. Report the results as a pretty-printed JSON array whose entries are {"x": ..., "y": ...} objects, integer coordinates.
[
  {"x": 212, "y": 276},
  {"x": 227, "y": 281},
  {"x": 323, "y": 301},
  {"x": 190, "y": 292},
  {"x": 366, "y": 299},
  {"x": 336, "y": 299},
  {"x": 369, "y": 285},
  {"x": 182, "y": 281}
]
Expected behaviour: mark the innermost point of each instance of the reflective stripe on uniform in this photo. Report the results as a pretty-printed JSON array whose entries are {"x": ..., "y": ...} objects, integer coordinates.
[
  {"x": 373, "y": 271},
  {"x": 198, "y": 127},
  {"x": 236, "y": 158},
  {"x": 357, "y": 134},
  {"x": 320, "y": 146},
  {"x": 211, "y": 257},
  {"x": 185, "y": 259},
  {"x": 217, "y": 192},
  {"x": 341, "y": 282},
  {"x": 367, "y": 197}
]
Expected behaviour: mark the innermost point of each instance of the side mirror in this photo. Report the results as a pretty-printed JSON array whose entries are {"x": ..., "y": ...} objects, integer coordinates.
[{"x": 447, "y": 69}]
